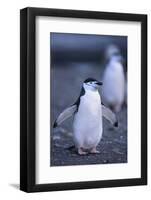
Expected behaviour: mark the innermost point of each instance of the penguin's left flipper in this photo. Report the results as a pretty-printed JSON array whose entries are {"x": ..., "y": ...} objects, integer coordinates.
[
  {"x": 109, "y": 115},
  {"x": 68, "y": 112}
]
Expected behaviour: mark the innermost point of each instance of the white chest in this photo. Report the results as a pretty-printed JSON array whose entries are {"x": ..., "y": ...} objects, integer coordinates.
[
  {"x": 113, "y": 83},
  {"x": 90, "y": 105},
  {"x": 88, "y": 120}
]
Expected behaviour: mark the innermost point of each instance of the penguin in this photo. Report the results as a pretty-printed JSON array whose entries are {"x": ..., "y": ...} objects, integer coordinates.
[
  {"x": 87, "y": 123},
  {"x": 113, "y": 89}
]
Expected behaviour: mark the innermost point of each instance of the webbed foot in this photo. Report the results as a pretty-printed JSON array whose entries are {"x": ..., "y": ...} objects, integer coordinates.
[
  {"x": 94, "y": 151},
  {"x": 82, "y": 152}
]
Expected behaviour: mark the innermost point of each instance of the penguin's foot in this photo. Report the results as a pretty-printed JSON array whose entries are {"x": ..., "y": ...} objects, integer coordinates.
[
  {"x": 93, "y": 150},
  {"x": 81, "y": 152}
]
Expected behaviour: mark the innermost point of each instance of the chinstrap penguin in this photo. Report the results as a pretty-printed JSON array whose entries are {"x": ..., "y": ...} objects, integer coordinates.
[
  {"x": 87, "y": 112},
  {"x": 113, "y": 89}
]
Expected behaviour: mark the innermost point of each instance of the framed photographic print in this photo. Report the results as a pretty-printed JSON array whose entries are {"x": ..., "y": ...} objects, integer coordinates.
[{"x": 83, "y": 99}]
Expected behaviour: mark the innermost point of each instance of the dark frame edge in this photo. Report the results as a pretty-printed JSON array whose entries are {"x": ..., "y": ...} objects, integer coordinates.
[
  {"x": 87, "y": 185},
  {"x": 144, "y": 164},
  {"x": 23, "y": 100},
  {"x": 27, "y": 86},
  {"x": 87, "y": 14}
]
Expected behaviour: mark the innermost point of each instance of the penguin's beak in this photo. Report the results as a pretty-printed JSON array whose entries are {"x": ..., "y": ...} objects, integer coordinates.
[{"x": 99, "y": 83}]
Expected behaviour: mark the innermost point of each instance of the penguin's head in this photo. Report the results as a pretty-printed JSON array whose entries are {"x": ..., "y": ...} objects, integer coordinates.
[
  {"x": 117, "y": 57},
  {"x": 113, "y": 52},
  {"x": 92, "y": 84}
]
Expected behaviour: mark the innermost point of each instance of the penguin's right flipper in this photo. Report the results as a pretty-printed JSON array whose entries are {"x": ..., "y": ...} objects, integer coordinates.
[
  {"x": 68, "y": 112},
  {"x": 109, "y": 115}
]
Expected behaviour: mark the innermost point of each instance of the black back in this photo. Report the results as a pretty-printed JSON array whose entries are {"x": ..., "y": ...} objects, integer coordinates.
[{"x": 77, "y": 103}]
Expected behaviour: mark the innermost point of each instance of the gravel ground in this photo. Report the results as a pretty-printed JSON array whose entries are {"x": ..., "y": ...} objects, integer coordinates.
[{"x": 65, "y": 88}]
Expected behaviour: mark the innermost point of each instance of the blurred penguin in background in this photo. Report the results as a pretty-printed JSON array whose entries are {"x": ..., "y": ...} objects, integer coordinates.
[{"x": 113, "y": 89}]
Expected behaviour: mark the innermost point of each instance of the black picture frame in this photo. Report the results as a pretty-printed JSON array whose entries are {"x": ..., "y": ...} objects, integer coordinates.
[{"x": 28, "y": 98}]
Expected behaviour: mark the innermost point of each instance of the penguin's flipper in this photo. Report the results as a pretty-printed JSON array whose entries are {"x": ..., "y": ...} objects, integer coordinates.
[
  {"x": 109, "y": 115},
  {"x": 68, "y": 112}
]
